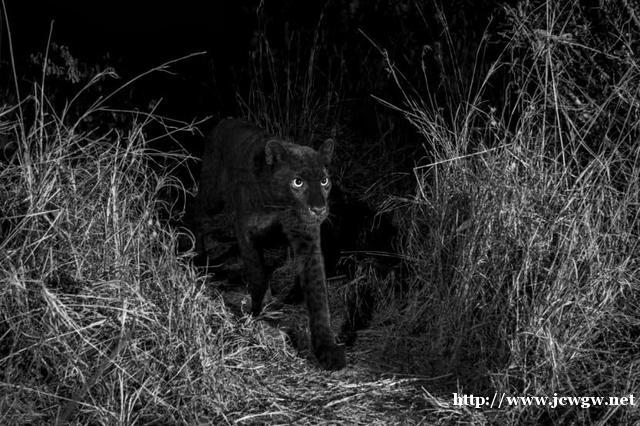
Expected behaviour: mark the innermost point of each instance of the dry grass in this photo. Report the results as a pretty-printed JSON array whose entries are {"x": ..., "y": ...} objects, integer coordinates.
[
  {"x": 101, "y": 322},
  {"x": 287, "y": 95},
  {"x": 520, "y": 248},
  {"x": 522, "y": 236}
]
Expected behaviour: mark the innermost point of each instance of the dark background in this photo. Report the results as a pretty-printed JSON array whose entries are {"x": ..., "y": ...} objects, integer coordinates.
[{"x": 133, "y": 36}]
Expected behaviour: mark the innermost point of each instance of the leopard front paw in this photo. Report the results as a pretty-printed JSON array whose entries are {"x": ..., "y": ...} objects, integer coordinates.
[{"x": 331, "y": 357}]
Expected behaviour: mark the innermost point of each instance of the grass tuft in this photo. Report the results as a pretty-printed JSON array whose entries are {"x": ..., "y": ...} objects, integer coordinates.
[
  {"x": 521, "y": 238},
  {"x": 102, "y": 321}
]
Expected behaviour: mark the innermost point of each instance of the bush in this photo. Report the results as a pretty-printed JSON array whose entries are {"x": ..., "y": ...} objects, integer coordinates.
[
  {"x": 522, "y": 235},
  {"x": 99, "y": 317}
]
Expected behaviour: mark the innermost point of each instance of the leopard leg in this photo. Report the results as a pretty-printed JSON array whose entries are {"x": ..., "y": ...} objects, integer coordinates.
[
  {"x": 295, "y": 294},
  {"x": 310, "y": 269},
  {"x": 207, "y": 203},
  {"x": 254, "y": 270}
]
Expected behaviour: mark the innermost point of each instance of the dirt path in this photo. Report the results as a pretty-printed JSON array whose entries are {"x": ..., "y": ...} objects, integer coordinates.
[{"x": 363, "y": 393}]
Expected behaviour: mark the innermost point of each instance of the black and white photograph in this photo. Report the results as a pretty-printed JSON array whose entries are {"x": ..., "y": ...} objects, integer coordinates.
[{"x": 320, "y": 212}]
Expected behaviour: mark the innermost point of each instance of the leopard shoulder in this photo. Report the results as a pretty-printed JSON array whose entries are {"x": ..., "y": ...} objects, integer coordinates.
[{"x": 270, "y": 183}]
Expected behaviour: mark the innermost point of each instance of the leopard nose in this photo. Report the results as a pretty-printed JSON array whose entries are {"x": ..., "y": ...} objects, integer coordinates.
[{"x": 318, "y": 211}]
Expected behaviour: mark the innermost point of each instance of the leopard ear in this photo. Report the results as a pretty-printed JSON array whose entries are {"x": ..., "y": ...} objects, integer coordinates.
[
  {"x": 273, "y": 151},
  {"x": 326, "y": 150}
]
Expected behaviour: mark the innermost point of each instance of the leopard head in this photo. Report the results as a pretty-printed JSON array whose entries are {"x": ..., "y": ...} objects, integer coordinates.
[{"x": 300, "y": 178}]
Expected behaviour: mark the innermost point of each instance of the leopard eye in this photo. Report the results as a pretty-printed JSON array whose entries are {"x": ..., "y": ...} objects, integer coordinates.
[
  {"x": 297, "y": 183},
  {"x": 324, "y": 181}
]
